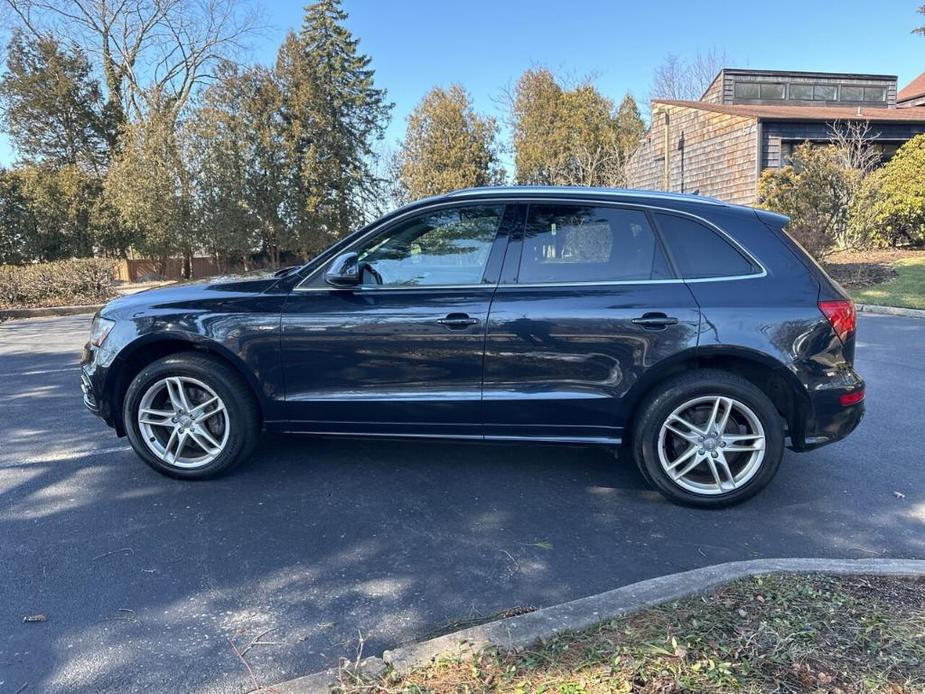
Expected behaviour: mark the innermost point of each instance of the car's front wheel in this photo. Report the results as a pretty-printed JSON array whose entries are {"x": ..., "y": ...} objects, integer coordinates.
[
  {"x": 190, "y": 416},
  {"x": 708, "y": 439}
]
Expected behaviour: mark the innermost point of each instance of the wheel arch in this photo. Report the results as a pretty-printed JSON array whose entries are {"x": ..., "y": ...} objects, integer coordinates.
[
  {"x": 762, "y": 370},
  {"x": 146, "y": 349}
]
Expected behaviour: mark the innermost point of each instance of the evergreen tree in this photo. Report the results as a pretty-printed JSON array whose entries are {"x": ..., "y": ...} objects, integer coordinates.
[
  {"x": 570, "y": 136},
  {"x": 17, "y": 229},
  {"x": 239, "y": 165},
  {"x": 149, "y": 187},
  {"x": 630, "y": 128},
  {"x": 52, "y": 105},
  {"x": 332, "y": 115},
  {"x": 447, "y": 146}
]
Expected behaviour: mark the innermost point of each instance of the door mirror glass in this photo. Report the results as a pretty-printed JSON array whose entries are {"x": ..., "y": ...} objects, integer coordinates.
[{"x": 344, "y": 271}]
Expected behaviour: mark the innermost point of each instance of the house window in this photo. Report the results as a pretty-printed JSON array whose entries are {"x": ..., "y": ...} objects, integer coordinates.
[
  {"x": 852, "y": 93},
  {"x": 747, "y": 90},
  {"x": 825, "y": 92},
  {"x": 770, "y": 90},
  {"x": 801, "y": 92},
  {"x": 874, "y": 94}
]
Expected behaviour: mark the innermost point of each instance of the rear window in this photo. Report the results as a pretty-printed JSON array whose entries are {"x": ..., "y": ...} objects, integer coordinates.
[
  {"x": 585, "y": 243},
  {"x": 699, "y": 251}
]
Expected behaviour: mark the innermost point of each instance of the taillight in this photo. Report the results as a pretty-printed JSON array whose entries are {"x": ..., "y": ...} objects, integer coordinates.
[
  {"x": 854, "y": 398},
  {"x": 841, "y": 316}
]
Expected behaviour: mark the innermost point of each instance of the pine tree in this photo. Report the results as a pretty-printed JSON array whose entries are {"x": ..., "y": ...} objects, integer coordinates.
[
  {"x": 447, "y": 146},
  {"x": 332, "y": 115}
]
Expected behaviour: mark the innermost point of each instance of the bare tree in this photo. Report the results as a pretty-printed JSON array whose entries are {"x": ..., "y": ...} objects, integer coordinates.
[
  {"x": 152, "y": 53},
  {"x": 686, "y": 79},
  {"x": 920, "y": 30},
  {"x": 856, "y": 145}
]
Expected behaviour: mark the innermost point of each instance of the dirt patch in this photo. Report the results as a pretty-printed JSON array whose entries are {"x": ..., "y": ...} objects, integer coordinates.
[
  {"x": 857, "y": 269},
  {"x": 852, "y": 635}
]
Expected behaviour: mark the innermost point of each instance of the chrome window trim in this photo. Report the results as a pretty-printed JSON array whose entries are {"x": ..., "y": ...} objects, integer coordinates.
[{"x": 543, "y": 200}]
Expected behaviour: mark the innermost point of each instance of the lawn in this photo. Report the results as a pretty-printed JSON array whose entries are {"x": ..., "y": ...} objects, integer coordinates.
[
  {"x": 907, "y": 289},
  {"x": 885, "y": 278},
  {"x": 767, "y": 634}
]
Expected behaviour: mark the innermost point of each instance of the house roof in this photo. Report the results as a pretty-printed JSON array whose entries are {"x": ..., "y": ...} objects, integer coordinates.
[
  {"x": 913, "y": 90},
  {"x": 804, "y": 113},
  {"x": 804, "y": 73}
]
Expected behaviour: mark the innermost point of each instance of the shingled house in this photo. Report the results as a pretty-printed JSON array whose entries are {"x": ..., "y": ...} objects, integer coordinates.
[{"x": 750, "y": 120}]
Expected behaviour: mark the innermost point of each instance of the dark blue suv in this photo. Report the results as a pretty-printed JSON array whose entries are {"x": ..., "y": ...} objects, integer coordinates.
[{"x": 697, "y": 334}]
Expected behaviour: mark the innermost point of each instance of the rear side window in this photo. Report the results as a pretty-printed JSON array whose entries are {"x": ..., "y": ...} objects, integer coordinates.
[
  {"x": 699, "y": 251},
  {"x": 584, "y": 243}
]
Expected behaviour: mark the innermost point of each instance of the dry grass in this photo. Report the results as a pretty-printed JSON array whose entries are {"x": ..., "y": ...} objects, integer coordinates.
[{"x": 769, "y": 634}]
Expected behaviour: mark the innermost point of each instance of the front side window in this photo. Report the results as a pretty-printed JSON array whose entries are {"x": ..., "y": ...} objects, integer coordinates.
[
  {"x": 699, "y": 251},
  {"x": 584, "y": 243},
  {"x": 445, "y": 247}
]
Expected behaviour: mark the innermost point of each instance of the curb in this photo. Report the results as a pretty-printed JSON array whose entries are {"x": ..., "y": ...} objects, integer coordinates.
[
  {"x": 543, "y": 624},
  {"x": 48, "y": 311},
  {"x": 891, "y": 310}
]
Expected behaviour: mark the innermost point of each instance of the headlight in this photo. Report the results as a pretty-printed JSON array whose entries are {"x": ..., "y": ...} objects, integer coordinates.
[{"x": 99, "y": 330}]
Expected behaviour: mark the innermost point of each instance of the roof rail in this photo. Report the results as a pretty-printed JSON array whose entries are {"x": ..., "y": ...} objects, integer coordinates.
[{"x": 489, "y": 191}]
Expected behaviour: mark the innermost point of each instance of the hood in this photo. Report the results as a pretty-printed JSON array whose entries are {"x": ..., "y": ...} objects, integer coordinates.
[{"x": 213, "y": 291}]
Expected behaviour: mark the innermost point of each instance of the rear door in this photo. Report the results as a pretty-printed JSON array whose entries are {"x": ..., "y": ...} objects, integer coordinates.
[{"x": 587, "y": 302}]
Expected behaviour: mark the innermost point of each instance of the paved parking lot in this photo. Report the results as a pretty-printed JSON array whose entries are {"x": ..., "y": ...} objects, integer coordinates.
[{"x": 145, "y": 581}]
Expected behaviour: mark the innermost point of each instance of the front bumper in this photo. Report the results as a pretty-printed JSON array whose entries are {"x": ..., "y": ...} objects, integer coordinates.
[
  {"x": 93, "y": 384},
  {"x": 86, "y": 387}
]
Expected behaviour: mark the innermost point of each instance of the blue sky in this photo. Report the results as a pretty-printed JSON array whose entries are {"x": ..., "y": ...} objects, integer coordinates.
[{"x": 485, "y": 45}]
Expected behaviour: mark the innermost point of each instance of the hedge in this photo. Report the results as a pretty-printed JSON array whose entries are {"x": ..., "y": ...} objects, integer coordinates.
[{"x": 60, "y": 283}]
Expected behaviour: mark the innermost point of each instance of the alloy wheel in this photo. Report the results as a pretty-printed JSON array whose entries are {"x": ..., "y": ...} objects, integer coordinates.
[
  {"x": 711, "y": 445},
  {"x": 183, "y": 422}
]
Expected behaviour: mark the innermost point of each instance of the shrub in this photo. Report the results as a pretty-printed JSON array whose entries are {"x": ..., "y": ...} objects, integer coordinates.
[
  {"x": 897, "y": 210},
  {"x": 816, "y": 192},
  {"x": 82, "y": 281}
]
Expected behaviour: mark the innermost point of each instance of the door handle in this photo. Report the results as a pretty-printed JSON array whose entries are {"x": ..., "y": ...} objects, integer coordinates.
[
  {"x": 655, "y": 321},
  {"x": 458, "y": 321}
]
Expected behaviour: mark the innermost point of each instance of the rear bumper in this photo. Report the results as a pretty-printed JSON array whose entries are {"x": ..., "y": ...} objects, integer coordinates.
[{"x": 830, "y": 420}]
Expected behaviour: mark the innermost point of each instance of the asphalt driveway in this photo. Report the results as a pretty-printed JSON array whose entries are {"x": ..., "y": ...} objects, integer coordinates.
[{"x": 151, "y": 584}]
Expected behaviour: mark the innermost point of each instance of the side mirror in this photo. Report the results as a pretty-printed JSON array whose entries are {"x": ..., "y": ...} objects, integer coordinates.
[{"x": 343, "y": 271}]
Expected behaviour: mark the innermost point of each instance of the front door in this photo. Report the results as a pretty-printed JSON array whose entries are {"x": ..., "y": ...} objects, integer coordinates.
[
  {"x": 402, "y": 352},
  {"x": 587, "y": 302}
]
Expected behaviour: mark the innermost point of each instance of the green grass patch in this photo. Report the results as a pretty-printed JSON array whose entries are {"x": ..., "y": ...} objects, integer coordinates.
[
  {"x": 766, "y": 634},
  {"x": 906, "y": 290}
]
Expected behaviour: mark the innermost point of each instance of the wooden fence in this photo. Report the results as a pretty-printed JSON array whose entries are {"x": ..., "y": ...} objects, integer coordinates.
[{"x": 137, "y": 269}]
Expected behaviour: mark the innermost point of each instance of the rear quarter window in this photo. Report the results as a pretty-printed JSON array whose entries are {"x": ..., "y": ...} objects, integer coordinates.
[{"x": 700, "y": 252}]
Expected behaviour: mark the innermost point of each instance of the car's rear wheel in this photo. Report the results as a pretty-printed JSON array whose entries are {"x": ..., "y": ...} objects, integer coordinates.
[
  {"x": 708, "y": 439},
  {"x": 190, "y": 416}
]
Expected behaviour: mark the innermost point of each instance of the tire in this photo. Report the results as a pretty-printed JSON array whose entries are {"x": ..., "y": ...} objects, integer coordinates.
[
  {"x": 212, "y": 438},
  {"x": 734, "y": 465}
]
